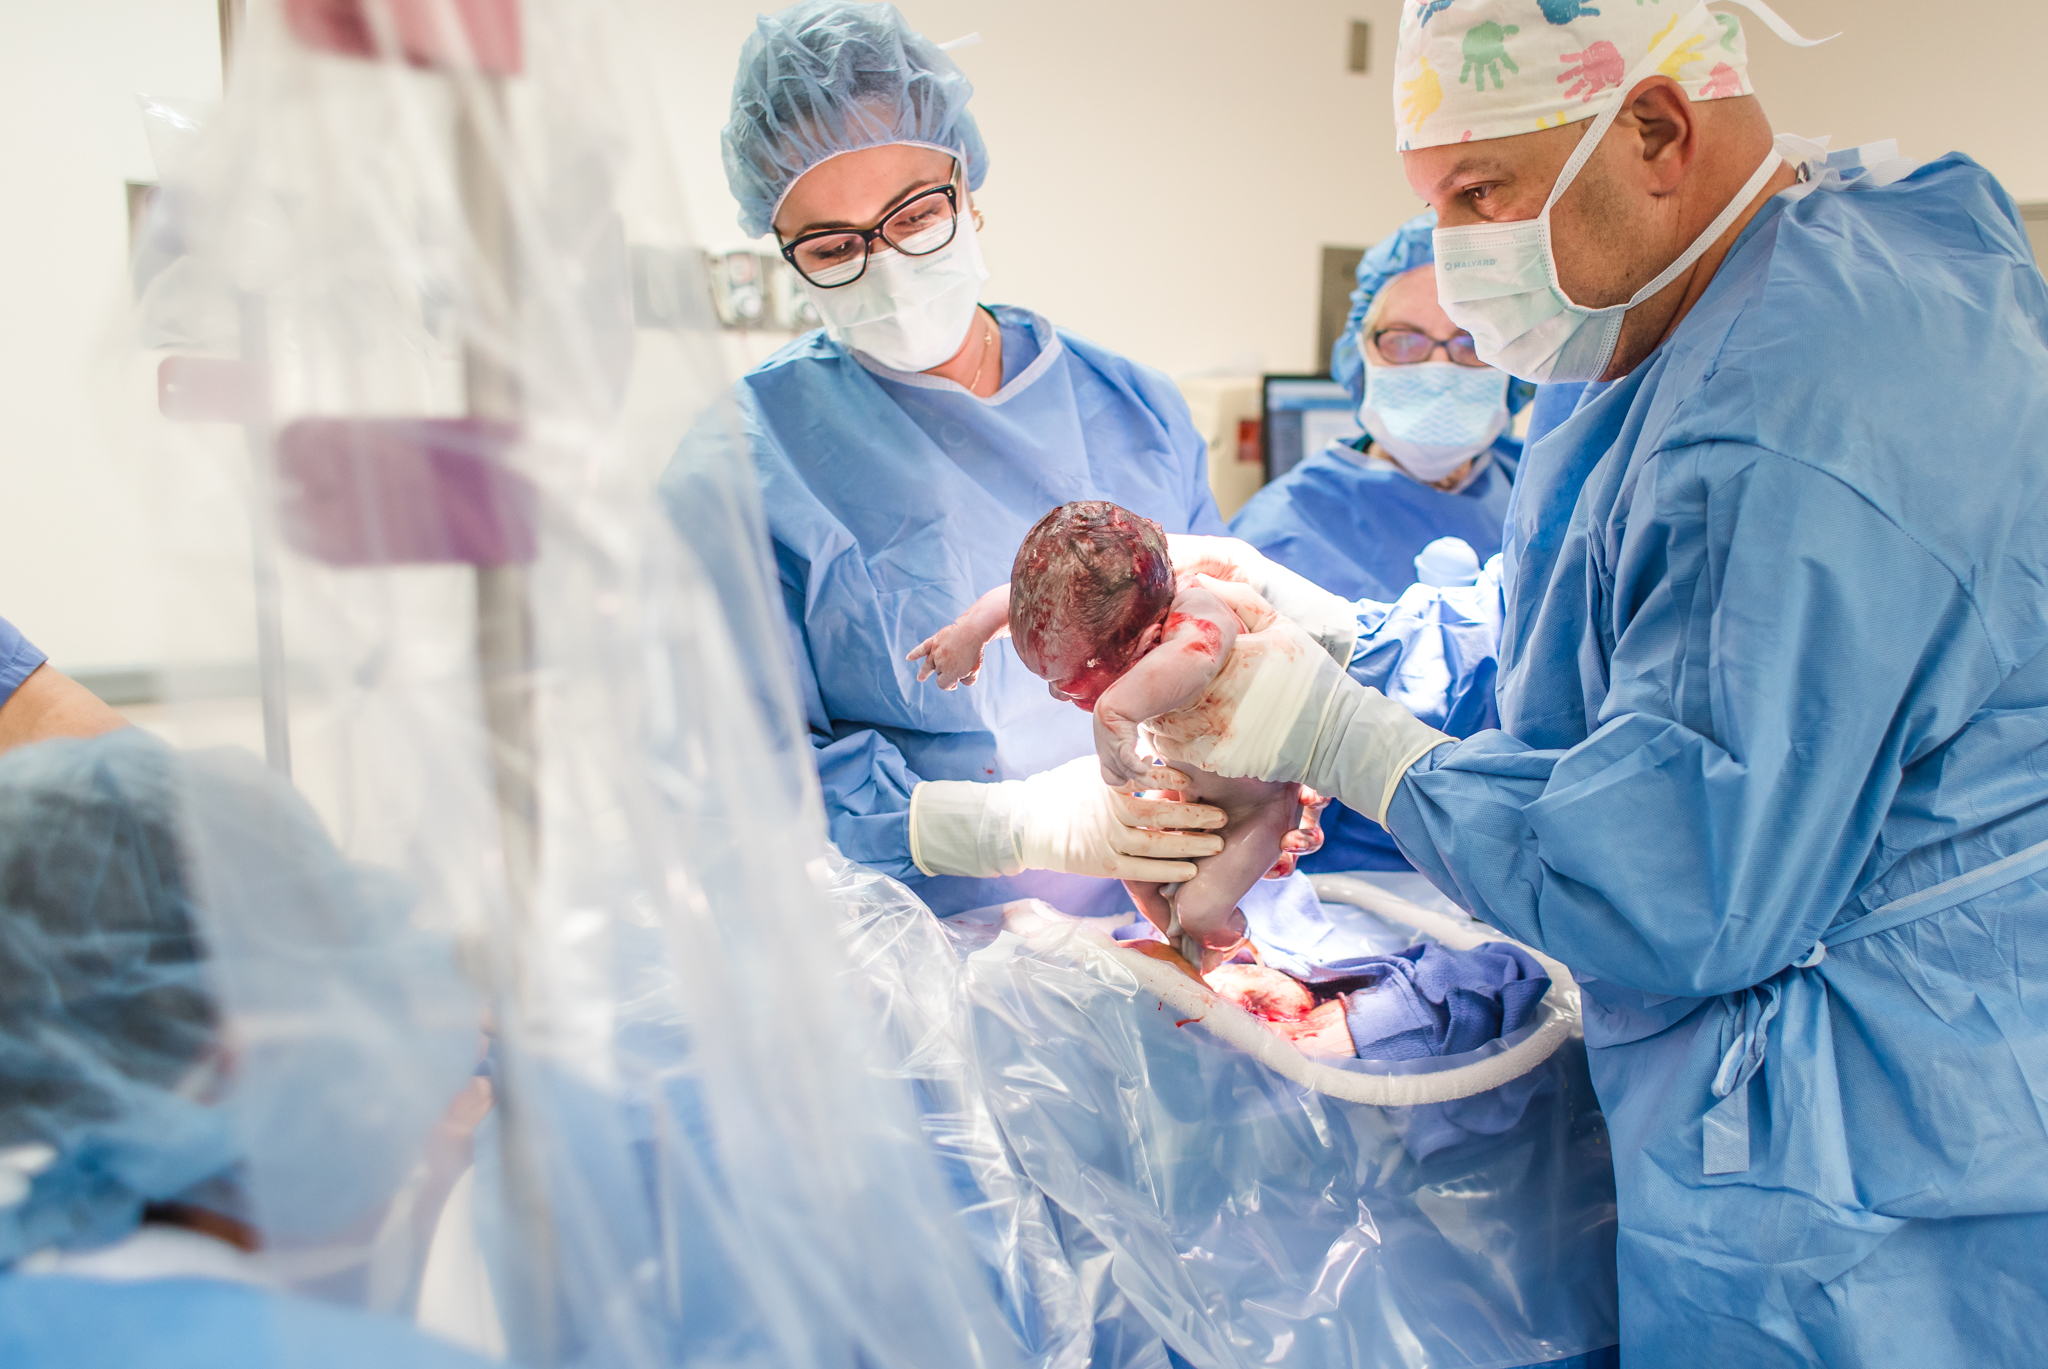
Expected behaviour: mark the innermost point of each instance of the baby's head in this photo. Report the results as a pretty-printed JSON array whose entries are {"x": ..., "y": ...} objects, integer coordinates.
[{"x": 1089, "y": 595}]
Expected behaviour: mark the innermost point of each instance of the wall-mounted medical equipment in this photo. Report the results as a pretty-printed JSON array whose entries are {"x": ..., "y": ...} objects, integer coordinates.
[{"x": 1300, "y": 415}]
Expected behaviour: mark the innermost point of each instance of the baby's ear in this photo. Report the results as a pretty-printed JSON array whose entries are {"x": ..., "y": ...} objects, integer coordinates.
[{"x": 1149, "y": 638}]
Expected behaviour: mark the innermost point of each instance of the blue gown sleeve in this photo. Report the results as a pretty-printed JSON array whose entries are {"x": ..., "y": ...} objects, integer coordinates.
[
  {"x": 1164, "y": 399},
  {"x": 711, "y": 494},
  {"x": 1757, "y": 718},
  {"x": 867, "y": 785},
  {"x": 18, "y": 659}
]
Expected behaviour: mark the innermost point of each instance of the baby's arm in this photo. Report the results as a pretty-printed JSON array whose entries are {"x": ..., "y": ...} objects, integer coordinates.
[
  {"x": 953, "y": 653},
  {"x": 1200, "y": 630}
]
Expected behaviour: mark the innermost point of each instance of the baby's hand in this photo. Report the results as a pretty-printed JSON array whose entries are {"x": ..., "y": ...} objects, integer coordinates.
[{"x": 953, "y": 654}]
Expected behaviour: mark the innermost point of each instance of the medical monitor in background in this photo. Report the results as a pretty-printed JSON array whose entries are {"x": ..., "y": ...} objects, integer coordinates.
[{"x": 1299, "y": 416}]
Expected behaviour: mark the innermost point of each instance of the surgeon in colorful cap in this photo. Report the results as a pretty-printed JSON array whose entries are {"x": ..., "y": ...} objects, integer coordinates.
[
  {"x": 903, "y": 451},
  {"x": 1420, "y": 495},
  {"x": 1766, "y": 640}
]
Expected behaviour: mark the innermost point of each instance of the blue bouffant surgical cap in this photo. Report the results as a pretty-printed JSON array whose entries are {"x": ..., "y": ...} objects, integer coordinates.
[
  {"x": 350, "y": 1029},
  {"x": 1406, "y": 248},
  {"x": 826, "y": 77},
  {"x": 106, "y": 1025}
]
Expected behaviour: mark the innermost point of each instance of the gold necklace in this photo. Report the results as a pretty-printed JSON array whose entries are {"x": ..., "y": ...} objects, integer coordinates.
[{"x": 986, "y": 340}]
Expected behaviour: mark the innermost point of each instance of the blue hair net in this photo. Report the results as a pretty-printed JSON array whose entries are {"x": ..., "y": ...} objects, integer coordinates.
[
  {"x": 1400, "y": 252},
  {"x": 106, "y": 1025},
  {"x": 1407, "y": 247},
  {"x": 826, "y": 77},
  {"x": 119, "y": 981}
]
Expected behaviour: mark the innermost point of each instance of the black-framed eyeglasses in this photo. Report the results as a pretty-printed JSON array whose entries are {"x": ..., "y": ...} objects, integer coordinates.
[
  {"x": 1412, "y": 346},
  {"x": 918, "y": 227}
]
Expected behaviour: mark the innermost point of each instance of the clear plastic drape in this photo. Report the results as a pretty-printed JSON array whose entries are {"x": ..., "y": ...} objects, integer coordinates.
[
  {"x": 422, "y": 321},
  {"x": 1203, "y": 1203}
]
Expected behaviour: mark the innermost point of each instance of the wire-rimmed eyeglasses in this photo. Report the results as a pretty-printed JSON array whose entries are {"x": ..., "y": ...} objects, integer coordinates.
[{"x": 1403, "y": 346}]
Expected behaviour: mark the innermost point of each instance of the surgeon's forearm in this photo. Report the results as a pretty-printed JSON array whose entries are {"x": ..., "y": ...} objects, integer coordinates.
[
  {"x": 963, "y": 827},
  {"x": 50, "y": 704}
]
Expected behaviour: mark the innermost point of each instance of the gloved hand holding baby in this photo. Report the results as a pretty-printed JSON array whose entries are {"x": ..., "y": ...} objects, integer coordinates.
[{"x": 1096, "y": 608}]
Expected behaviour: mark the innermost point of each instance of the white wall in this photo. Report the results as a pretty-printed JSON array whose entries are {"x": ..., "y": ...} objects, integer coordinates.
[
  {"x": 72, "y": 533},
  {"x": 1938, "y": 78},
  {"x": 1163, "y": 173},
  {"x": 1163, "y": 176}
]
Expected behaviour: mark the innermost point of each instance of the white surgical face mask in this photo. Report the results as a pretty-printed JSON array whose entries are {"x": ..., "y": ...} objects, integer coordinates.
[
  {"x": 1499, "y": 281},
  {"x": 1434, "y": 416},
  {"x": 909, "y": 313}
]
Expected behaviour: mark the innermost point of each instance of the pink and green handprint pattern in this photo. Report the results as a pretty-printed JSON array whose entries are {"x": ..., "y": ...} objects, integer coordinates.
[
  {"x": 1486, "y": 52},
  {"x": 1524, "y": 65},
  {"x": 1599, "y": 68}
]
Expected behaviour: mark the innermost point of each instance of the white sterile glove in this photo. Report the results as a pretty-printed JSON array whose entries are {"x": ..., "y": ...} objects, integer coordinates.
[
  {"x": 1063, "y": 819},
  {"x": 1281, "y": 709},
  {"x": 1330, "y": 618}
]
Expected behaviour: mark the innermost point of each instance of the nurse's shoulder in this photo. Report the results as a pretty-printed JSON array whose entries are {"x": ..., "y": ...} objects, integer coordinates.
[{"x": 1152, "y": 388}]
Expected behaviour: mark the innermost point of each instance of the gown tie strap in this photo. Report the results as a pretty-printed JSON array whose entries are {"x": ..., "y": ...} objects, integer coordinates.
[{"x": 1745, "y": 1030}]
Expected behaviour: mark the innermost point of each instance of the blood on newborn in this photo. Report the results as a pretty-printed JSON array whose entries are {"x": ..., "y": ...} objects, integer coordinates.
[
  {"x": 1207, "y": 639},
  {"x": 1089, "y": 582}
]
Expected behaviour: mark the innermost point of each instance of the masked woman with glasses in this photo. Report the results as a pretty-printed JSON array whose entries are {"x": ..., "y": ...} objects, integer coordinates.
[
  {"x": 1420, "y": 496},
  {"x": 903, "y": 451}
]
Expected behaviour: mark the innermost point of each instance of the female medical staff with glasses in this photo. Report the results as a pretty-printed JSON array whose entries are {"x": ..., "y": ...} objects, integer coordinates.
[
  {"x": 902, "y": 453},
  {"x": 1421, "y": 495}
]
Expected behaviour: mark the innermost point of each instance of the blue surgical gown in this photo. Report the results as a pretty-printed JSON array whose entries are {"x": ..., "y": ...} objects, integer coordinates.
[
  {"x": 18, "y": 659},
  {"x": 60, "y": 1322},
  {"x": 1355, "y": 526},
  {"x": 894, "y": 501},
  {"x": 1772, "y": 776}
]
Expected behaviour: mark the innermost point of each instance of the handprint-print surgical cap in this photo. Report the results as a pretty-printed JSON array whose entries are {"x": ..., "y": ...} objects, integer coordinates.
[{"x": 1474, "y": 69}]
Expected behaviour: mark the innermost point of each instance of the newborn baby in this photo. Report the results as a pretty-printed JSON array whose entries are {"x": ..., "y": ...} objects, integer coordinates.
[{"x": 1094, "y": 609}]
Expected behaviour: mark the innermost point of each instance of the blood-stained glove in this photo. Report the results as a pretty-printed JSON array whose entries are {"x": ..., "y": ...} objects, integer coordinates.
[
  {"x": 1281, "y": 709},
  {"x": 1330, "y": 618}
]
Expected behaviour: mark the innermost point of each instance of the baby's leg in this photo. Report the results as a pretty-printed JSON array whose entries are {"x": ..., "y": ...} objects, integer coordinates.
[
  {"x": 953, "y": 653},
  {"x": 1151, "y": 899},
  {"x": 1260, "y": 814}
]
